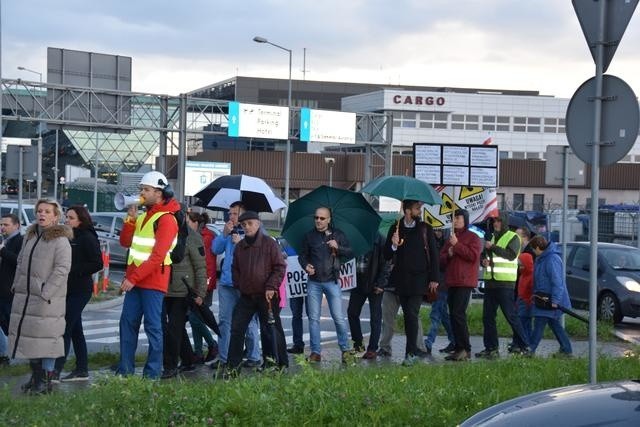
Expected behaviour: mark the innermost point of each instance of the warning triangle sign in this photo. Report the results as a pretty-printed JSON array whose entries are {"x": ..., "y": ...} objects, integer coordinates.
[
  {"x": 470, "y": 191},
  {"x": 431, "y": 220},
  {"x": 448, "y": 205}
]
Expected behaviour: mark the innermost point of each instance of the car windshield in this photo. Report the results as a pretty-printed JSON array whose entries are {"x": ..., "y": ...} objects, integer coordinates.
[
  {"x": 623, "y": 258},
  {"x": 31, "y": 214}
]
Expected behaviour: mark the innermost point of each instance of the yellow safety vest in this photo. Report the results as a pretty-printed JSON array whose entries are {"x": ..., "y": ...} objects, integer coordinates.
[
  {"x": 503, "y": 269},
  {"x": 144, "y": 238}
]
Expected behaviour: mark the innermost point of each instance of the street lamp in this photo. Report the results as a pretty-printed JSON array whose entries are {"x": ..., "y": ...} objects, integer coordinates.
[
  {"x": 287, "y": 163},
  {"x": 39, "y": 164},
  {"x": 330, "y": 161}
]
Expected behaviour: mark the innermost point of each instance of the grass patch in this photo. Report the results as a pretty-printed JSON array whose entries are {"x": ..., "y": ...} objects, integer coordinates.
[
  {"x": 112, "y": 291},
  {"x": 437, "y": 395}
]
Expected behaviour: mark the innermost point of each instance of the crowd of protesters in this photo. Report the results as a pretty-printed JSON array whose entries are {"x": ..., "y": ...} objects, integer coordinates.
[{"x": 45, "y": 283}]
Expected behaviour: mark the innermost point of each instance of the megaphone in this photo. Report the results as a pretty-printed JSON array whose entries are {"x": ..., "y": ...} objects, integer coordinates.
[{"x": 124, "y": 200}]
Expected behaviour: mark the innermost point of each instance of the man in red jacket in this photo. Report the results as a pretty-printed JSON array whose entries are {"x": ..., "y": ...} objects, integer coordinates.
[
  {"x": 460, "y": 257},
  {"x": 150, "y": 238}
]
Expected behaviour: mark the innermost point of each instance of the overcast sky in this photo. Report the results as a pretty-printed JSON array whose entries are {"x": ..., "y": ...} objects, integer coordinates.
[{"x": 178, "y": 46}]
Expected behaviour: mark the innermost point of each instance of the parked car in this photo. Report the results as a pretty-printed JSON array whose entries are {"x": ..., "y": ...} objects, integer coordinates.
[
  {"x": 604, "y": 404},
  {"x": 108, "y": 226},
  {"x": 27, "y": 216},
  {"x": 618, "y": 279}
]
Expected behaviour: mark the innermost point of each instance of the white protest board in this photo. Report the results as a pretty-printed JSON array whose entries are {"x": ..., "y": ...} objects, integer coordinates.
[{"x": 297, "y": 277}]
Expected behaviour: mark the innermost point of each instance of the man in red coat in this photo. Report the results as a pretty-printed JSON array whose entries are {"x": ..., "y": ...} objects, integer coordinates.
[
  {"x": 460, "y": 257},
  {"x": 150, "y": 238}
]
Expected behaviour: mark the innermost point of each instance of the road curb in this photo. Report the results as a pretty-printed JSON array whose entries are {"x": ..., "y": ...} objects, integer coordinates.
[
  {"x": 105, "y": 304},
  {"x": 626, "y": 337}
]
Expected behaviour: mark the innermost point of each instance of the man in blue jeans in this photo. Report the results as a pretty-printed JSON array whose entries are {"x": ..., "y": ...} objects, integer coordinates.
[
  {"x": 323, "y": 248},
  {"x": 228, "y": 295},
  {"x": 150, "y": 238}
]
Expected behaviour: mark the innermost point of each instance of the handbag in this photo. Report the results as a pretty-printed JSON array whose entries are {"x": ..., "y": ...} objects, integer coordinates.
[{"x": 542, "y": 300}]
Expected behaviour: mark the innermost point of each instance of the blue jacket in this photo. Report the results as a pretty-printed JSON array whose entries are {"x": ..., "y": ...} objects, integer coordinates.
[
  {"x": 224, "y": 244},
  {"x": 547, "y": 277}
]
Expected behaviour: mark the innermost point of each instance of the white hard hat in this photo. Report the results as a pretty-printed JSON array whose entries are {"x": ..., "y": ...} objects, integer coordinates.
[{"x": 154, "y": 179}]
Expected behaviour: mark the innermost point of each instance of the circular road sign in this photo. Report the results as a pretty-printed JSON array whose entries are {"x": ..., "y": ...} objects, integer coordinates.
[{"x": 620, "y": 118}]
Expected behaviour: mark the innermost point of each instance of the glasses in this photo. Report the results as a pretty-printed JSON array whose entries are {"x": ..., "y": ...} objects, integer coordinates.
[{"x": 319, "y": 218}]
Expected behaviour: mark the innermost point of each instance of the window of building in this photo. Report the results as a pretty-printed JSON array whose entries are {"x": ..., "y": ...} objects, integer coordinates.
[
  {"x": 518, "y": 202},
  {"x": 404, "y": 119},
  {"x": 532, "y": 155},
  {"x": 572, "y": 201},
  {"x": 538, "y": 202},
  {"x": 517, "y": 155},
  {"x": 429, "y": 120},
  {"x": 504, "y": 154}
]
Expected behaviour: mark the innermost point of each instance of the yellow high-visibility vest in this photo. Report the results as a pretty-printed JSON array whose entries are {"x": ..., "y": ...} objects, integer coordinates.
[
  {"x": 503, "y": 269},
  {"x": 144, "y": 238}
]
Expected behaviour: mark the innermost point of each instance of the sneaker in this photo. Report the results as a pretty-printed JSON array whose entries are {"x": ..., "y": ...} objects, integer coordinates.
[
  {"x": 348, "y": 356},
  {"x": 215, "y": 363},
  {"x": 295, "y": 350},
  {"x": 410, "y": 360},
  {"x": 488, "y": 354},
  {"x": 54, "y": 377},
  {"x": 169, "y": 373},
  {"x": 458, "y": 356},
  {"x": 384, "y": 353},
  {"x": 212, "y": 353},
  {"x": 526, "y": 351},
  {"x": 358, "y": 347},
  {"x": 4, "y": 361},
  {"x": 314, "y": 357},
  {"x": 251, "y": 364},
  {"x": 370, "y": 355},
  {"x": 76, "y": 376},
  {"x": 198, "y": 359},
  {"x": 448, "y": 349},
  {"x": 423, "y": 354}
]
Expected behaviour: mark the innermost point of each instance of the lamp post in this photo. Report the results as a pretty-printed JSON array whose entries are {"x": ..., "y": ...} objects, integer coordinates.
[
  {"x": 287, "y": 163},
  {"x": 39, "y": 164}
]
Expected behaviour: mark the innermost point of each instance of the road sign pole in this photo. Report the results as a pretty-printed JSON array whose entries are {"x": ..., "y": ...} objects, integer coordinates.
[{"x": 595, "y": 185}]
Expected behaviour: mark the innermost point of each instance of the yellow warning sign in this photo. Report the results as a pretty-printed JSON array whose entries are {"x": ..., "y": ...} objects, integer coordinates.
[
  {"x": 470, "y": 191},
  {"x": 448, "y": 205},
  {"x": 431, "y": 220}
]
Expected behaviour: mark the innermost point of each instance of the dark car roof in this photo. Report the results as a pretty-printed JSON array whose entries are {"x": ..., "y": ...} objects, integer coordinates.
[
  {"x": 600, "y": 245},
  {"x": 612, "y": 403}
]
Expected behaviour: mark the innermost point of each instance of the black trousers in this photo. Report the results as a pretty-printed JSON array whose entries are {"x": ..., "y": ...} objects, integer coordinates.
[
  {"x": 458, "y": 301},
  {"x": 411, "y": 310},
  {"x": 176, "y": 342},
  {"x": 356, "y": 301},
  {"x": 272, "y": 337}
]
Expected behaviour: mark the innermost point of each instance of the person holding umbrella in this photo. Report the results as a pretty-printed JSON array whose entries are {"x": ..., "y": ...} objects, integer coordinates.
[
  {"x": 257, "y": 270},
  {"x": 322, "y": 250},
  {"x": 412, "y": 247}
]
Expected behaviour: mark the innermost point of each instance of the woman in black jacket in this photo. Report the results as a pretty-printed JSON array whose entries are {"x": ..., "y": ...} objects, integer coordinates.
[{"x": 86, "y": 259}]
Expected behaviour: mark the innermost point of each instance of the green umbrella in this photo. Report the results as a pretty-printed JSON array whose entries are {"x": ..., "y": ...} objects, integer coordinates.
[
  {"x": 403, "y": 188},
  {"x": 350, "y": 213}
]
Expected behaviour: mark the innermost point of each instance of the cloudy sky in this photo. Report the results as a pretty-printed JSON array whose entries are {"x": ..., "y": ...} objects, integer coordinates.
[{"x": 178, "y": 46}]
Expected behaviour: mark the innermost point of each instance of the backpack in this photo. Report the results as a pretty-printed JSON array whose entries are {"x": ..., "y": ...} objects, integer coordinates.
[{"x": 179, "y": 251}]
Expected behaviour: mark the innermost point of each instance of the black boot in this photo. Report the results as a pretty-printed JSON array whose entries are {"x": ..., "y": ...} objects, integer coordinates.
[
  {"x": 35, "y": 366},
  {"x": 43, "y": 384}
]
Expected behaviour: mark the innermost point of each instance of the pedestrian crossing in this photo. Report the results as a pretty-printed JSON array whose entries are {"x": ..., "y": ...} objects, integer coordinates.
[{"x": 106, "y": 331}]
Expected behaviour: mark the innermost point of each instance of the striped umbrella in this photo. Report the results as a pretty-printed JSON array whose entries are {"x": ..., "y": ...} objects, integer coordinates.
[{"x": 253, "y": 192}]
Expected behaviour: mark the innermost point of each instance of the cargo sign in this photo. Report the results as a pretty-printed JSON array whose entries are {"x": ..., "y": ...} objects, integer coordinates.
[{"x": 258, "y": 121}]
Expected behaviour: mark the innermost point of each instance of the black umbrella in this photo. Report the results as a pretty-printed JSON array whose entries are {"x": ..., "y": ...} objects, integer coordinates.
[
  {"x": 202, "y": 311},
  {"x": 253, "y": 192},
  {"x": 271, "y": 322},
  {"x": 543, "y": 300}
]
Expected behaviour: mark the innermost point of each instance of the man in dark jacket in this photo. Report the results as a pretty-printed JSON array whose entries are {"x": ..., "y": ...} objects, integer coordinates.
[
  {"x": 500, "y": 262},
  {"x": 323, "y": 250},
  {"x": 257, "y": 270},
  {"x": 460, "y": 257},
  {"x": 412, "y": 246},
  {"x": 371, "y": 275},
  {"x": 9, "y": 250}
]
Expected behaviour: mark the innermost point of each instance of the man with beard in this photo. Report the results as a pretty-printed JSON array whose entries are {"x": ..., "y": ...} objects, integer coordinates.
[{"x": 412, "y": 247}]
